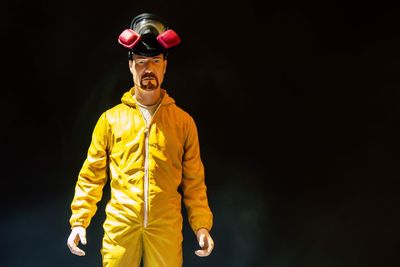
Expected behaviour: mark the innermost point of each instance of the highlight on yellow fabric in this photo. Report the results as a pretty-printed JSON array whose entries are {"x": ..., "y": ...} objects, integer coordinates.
[{"x": 145, "y": 165}]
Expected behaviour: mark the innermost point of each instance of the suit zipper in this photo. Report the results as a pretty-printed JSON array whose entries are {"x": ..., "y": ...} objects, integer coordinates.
[
  {"x": 146, "y": 177},
  {"x": 146, "y": 169}
]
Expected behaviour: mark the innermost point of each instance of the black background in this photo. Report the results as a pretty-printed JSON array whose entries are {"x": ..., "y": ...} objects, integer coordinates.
[{"x": 296, "y": 103}]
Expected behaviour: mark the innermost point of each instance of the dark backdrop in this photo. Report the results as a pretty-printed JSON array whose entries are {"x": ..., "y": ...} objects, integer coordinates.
[{"x": 297, "y": 106}]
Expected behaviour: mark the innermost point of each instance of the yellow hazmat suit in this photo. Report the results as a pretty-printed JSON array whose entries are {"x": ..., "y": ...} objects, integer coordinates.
[{"x": 146, "y": 165}]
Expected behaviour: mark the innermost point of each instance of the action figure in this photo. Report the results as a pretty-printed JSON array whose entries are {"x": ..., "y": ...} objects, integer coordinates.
[{"x": 148, "y": 147}]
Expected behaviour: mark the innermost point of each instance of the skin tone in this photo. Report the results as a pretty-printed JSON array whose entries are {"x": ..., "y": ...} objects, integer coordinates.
[
  {"x": 205, "y": 242},
  {"x": 78, "y": 233},
  {"x": 148, "y": 75}
]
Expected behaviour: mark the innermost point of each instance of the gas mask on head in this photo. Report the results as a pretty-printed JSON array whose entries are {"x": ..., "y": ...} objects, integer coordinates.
[{"x": 148, "y": 35}]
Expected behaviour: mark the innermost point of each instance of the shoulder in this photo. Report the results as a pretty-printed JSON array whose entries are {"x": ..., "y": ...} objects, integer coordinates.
[
  {"x": 180, "y": 112},
  {"x": 117, "y": 108},
  {"x": 115, "y": 114},
  {"x": 187, "y": 122}
]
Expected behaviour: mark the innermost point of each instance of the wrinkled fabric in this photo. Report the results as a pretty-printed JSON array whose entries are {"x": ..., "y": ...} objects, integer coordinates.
[{"x": 118, "y": 151}]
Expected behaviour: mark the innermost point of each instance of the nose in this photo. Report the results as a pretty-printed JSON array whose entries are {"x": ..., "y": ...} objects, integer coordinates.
[{"x": 148, "y": 70}]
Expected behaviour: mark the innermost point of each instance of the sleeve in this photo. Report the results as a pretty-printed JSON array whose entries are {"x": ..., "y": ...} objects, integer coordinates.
[
  {"x": 193, "y": 182},
  {"x": 92, "y": 177}
]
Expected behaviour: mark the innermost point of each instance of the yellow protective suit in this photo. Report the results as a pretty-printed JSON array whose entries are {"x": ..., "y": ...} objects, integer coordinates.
[{"x": 146, "y": 165}]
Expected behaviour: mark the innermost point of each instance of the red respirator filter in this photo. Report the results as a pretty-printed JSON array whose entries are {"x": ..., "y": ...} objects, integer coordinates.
[
  {"x": 168, "y": 39},
  {"x": 128, "y": 38}
]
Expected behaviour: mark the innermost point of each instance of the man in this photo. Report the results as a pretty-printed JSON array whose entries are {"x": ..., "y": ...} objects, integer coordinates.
[{"x": 148, "y": 147}]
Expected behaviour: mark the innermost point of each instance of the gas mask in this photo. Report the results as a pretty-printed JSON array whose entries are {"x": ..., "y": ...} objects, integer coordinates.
[{"x": 148, "y": 35}]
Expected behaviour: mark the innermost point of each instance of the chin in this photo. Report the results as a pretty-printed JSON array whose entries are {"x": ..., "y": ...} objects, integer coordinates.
[
  {"x": 149, "y": 89},
  {"x": 149, "y": 86}
]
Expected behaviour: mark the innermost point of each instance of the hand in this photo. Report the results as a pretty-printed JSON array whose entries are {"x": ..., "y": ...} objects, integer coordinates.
[
  {"x": 78, "y": 233},
  {"x": 205, "y": 242}
]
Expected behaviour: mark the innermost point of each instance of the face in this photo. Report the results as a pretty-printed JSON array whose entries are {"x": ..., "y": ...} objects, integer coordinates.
[{"x": 148, "y": 72}]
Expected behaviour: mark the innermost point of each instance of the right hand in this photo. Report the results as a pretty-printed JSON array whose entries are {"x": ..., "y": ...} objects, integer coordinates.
[{"x": 78, "y": 233}]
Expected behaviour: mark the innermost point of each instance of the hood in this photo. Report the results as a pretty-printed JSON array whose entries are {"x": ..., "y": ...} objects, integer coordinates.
[{"x": 129, "y": 100}]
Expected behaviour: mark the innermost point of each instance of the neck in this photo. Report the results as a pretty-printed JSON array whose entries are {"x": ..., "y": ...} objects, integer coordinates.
[{"x": 147, "y": 97}]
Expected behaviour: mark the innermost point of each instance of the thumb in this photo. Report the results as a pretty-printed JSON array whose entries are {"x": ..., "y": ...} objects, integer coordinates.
[
  {"x": 201, "y": 240},
  {"x": 82, "y": 237}
]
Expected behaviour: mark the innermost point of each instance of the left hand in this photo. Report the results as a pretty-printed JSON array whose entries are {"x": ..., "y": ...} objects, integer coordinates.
[{"x": 205, "y": 242}]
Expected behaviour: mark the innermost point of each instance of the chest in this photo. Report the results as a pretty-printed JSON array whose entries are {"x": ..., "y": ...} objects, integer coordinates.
[{"x": 164, "y": 132}]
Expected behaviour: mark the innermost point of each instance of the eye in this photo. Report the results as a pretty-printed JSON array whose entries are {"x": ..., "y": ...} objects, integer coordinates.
[
  {"x": 140, "y": 61},
  {"x": 156, "y": 60}
]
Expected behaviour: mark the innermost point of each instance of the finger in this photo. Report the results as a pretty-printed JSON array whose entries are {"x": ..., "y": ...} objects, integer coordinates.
[
  {"x": 210, "y": 246},
  {"x": 202, "y": 253},
  {"x": 77, "y": 251},
  {"x": 73, "y": 248},
  {"x": 71, "y": 241}
]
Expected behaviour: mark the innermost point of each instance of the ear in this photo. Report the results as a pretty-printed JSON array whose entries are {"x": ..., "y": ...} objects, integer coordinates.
[
  {"x": 130, "y": 62},
  {"x": 165, "y": 65}
]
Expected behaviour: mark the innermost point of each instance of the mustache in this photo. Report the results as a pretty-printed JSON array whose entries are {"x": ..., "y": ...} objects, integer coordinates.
[{"x": 149, "y": 75}]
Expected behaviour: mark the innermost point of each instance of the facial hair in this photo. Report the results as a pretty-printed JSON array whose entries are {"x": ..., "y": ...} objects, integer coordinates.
[{"x": 149, "y": 84}]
